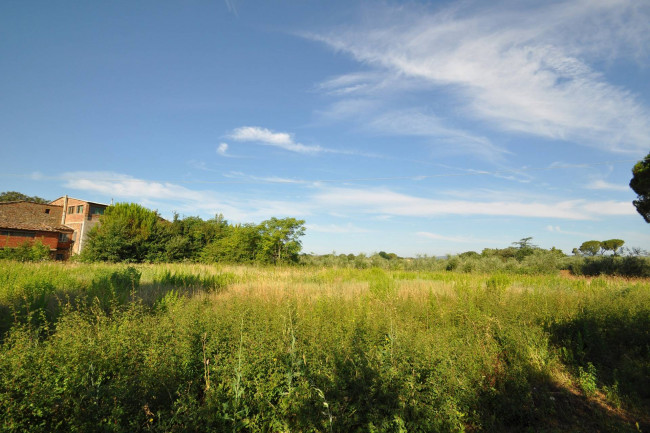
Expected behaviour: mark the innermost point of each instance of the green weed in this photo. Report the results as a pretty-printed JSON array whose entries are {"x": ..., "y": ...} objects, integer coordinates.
[{"x": 182, "y": 348}]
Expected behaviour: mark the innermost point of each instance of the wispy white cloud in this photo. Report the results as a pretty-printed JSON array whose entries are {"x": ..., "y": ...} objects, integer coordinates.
[
  {"x": 222, "y": 149},
  {"x": 349, "y": 83},
  {"x": 232, "y": 7},
  {"x": 323, "y": 199},
  {"x": 351, "y": 108},
  {"x": 370, "y": 84},
  {"x": 367, "y": 105},
  {"x": 523, "y": 68},
  {"x": 604, "y": 185},
  {"x": 416, "y": 122},
  {"x": 267, "y": 137},
  {"x": 487, "y": 194},
  {"x": 284, "y": 140},
  {"x": 559, "y": 230},
  {"x": 385, "y": 201},
  {"x": 169, "y": 197},
  {"x": 263, "y": 179},
  {"x": 128, "y": 187},
  {"x": 373, "y": 117}
]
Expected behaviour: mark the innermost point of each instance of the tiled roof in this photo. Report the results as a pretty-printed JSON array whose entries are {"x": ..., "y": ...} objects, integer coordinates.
[{"x": 25, "y": 215}]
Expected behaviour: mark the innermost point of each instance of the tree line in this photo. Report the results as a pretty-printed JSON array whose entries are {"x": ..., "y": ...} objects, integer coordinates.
[
  {"x": 18, "y": 196},
  {"x": 129, "y": 232}
]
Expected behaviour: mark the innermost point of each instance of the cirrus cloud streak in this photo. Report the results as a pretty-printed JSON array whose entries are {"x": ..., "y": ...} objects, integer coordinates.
[
  {"x": 321, "y": 199},
  {"x": 522, "y": 67}
]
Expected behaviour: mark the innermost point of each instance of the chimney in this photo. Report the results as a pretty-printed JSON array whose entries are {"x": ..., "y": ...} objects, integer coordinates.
[{"x": 65, "y": 209}]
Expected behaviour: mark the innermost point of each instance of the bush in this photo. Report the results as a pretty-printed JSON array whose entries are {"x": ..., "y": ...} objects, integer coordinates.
[
  {"x": 630, "y": 266},
  {"x": 27, "y": 252}
]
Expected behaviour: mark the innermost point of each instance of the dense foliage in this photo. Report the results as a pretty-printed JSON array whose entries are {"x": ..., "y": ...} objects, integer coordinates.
[
  {"x": 523, "y": 258},
  {"x": 17, "y": 196},
  {"x": 132, "y": 233},
  {"x": 26, "y": 252},
  {"x": 185, "y": 348},
  {"x": 640, "y": 184}
]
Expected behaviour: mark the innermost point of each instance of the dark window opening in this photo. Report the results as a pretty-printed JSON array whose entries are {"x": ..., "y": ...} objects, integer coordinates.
[
  {"x": 47, "y": 211},
  {"x": 17, "y": 233},
  {"x": 96, "y": 210}
]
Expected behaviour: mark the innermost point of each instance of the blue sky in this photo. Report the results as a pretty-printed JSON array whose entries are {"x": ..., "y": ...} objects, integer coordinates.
[{"x": 409, "y": 127}]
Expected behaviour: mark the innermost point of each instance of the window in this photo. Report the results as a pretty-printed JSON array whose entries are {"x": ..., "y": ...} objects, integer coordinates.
[
  {"x": 17, "y": 233},
  {"x": 47, "y": 211},
  {"x": 70, "y": 209},
  {"x": 96, "y": 210},
  {"x": 80, "y": 208},
  {"x": 64, "y": 237}
]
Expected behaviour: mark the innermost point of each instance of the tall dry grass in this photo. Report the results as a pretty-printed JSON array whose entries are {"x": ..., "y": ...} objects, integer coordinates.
[{"x": 187, "y": 347}]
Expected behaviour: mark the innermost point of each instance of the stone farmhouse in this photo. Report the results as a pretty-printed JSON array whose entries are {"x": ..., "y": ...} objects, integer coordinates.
[{"x": 62, "y": 224}]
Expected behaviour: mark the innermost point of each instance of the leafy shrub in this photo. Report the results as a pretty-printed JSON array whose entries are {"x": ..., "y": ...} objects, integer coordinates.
[
  {"x": 629, "y": 266},
  {"x": 26, "y": 252},
  {"x": 587, "y": 379}
]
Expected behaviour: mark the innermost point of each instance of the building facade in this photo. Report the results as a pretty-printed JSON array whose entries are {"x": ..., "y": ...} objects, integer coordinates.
[
  {"x": 81, "y": 216},
  {"x": 62, "y": 225},
  {"x": 23, "y": 221}
]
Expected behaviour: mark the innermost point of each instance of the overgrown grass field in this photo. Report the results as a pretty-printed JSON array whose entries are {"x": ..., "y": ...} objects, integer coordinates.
[{"x": 185, "y": 347}]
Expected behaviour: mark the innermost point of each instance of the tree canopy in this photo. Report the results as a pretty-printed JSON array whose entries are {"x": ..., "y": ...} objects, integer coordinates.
[
  {"x": 590, "y": 248},
  {"x": 612, "y": 245},
  {"x": 129, "y": 232},
  {"x": 280, "y": 239},
  {"x": 18, "y": 196},
  {"x": 640, "y": 184}
]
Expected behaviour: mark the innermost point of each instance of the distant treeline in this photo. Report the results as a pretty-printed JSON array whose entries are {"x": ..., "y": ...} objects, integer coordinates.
[
  {"x": 19, "y": 196},
  {"x": 521, "y": 258},
  {"x": 132, "y": 233}
]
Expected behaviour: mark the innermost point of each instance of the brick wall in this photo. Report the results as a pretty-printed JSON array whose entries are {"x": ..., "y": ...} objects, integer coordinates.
[
  {"x": 78, "y": 216},
  {"x": 15, "y": 238}
]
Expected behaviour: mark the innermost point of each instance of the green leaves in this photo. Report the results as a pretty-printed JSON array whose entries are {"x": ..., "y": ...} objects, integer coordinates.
[
  {"x": 640, "y": 184},
  {"x": 612, "y": 245},
  {"x": 280, "y": 240},
  {"x": 131, "y": 233},
  {"x": 590, "y": 248},
  {"x": 17, "y": 196},
  {"x": 128, "y": 233}
]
